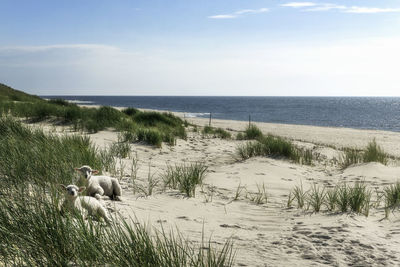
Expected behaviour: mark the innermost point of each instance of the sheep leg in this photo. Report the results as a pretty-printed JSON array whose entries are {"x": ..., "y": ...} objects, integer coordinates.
[
  {"x": 103, "y": 213},
  {"x": 117, "y": 190},
  {"x": 99, "y": 192}
]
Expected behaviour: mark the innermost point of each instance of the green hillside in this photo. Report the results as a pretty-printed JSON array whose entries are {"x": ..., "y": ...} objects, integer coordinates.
[{"x": 9, "y": 94}]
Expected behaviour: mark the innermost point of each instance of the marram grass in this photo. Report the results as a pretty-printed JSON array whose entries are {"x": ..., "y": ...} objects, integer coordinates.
[{"x": 33, "y": 232}]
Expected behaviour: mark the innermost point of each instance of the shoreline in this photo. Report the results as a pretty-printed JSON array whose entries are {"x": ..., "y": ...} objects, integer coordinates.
[{"x": 338, "y": 137}]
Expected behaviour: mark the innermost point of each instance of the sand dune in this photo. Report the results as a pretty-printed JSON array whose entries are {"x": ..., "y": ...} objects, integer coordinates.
[{"x": 267, "y": 234}]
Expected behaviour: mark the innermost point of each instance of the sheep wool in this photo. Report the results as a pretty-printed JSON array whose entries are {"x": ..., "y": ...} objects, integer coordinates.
[
  {"x": 86, "y": 205},
  {"x": 100, "y": 185}
]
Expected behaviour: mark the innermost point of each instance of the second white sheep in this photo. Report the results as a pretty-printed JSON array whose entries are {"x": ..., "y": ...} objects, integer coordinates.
[
  {"x": 100, "y": 185},
  {"x": 83, "y": 204}
]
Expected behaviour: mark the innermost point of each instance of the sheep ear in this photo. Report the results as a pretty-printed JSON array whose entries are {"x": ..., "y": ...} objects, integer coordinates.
[
  {"x": 95, "y": 171},
  {"x": 81, "y": 189},
  {"x": 63, "y": 186}
]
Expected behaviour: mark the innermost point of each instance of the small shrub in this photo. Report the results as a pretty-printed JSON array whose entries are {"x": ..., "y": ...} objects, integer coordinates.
[
  {"x": 60, "y": 102},
  {"x": 130, "y": 111},
  {"x": 107, "y": 116},
  {"x": 153, "y": 119},
  {"x": 253, "y": 132},
  {"x": 207, "y": 130},
  {"x": 150, "y": 136},
  {"x": 374, "y": 153},
  {"x": 221, "y": 133},
  {"x": 240, "y": 136},
  {"x": 126, "y": 124}
]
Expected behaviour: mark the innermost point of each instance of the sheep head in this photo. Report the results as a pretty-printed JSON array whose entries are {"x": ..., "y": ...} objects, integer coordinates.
[
  {"x": 86, "y": 171},
  {"x": 72, "y": 191}
]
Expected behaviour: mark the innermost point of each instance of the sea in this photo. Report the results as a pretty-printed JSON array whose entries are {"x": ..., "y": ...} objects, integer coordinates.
[{"x": 378, "y": 113}]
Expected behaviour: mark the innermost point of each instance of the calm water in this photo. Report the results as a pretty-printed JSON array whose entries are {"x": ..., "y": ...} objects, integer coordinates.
[{"x": 355, "y": 112}]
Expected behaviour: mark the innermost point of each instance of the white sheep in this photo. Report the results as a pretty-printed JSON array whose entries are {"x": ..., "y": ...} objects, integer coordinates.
[
  {"x": 100, "y": 185},
  {"x": 84, "y": 204}
]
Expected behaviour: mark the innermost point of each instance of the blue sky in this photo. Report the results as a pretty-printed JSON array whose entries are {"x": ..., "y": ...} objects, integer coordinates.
[{"x": 206, "y": 47}]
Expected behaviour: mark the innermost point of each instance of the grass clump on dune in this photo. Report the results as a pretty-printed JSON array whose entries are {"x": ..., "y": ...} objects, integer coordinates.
[
  {"x": 391, "y": 195},
  {"x": 274, "y": 146},
  {"x": 216, "y": 132},
  {"x": 33, "y": 232},
  {"x": 252, "y": 132},
  {"x": 342, "y": 198},
  {"x": 185, "y": 177},
  {"x": 372, "y": 153}
]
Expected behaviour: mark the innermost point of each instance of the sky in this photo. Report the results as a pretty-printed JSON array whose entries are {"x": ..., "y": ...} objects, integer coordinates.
[{"x": 203, "y": 47}]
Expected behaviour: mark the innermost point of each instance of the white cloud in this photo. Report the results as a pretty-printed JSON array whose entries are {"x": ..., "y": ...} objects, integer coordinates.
[
  {"x": 326, "y": 7},
  {"x": 252, "y": 11},
  {"x": 370, "y": 10},
  {"x": 227, "y": 16},
  {"x": 312, "y": 7},
  {"x": 239, "y": 13},
  {"x": 299, "y": 4}
]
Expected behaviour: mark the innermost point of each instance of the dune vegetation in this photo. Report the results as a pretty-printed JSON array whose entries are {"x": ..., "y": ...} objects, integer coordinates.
[
  {"x": 150, "y": 127},
  {"x": 33, "y": 231},
  {"x": 269, "y": 145}
]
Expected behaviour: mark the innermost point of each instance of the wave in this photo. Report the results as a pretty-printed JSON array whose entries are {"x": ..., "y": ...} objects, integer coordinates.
[
  {"x": 80, "y": 102},
  {"x": 197, "y": 115}
]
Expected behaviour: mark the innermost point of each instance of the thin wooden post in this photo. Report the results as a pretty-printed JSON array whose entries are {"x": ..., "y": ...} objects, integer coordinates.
[
  {"x": 249, "y": 120},
  {"x": 209, "y": 122}
]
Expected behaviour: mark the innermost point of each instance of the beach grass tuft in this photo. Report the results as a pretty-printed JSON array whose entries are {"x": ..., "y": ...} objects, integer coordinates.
[
  {"x": 391, "y": 196},
  {"x": 300, "y": 195},
  {"x": 185, "y": 177},
  {"x": 274, "y": 146},
  {"x": 372, "y": 153},
  {"x": 316, "y": 197},
  {"x": 252, "y": 132},
  {"x": 260, "y": 197},
  {"x": 216, "y": 132}
]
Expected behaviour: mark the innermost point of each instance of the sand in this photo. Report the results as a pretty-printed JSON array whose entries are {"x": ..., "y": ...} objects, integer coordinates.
[{"x": 268, "y": 234}]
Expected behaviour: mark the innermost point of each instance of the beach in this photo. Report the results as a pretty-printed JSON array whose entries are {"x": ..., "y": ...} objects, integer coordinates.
[{"x": 269, "y": 233}]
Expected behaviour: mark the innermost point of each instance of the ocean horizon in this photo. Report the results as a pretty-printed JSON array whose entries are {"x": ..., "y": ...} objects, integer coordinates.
[{"x": 376, "y": 113}]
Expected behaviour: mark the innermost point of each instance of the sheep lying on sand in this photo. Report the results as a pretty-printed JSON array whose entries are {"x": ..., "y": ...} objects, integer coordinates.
[
  {"x": 84, "y": 204},
  {"x": 100, "y": 185}
]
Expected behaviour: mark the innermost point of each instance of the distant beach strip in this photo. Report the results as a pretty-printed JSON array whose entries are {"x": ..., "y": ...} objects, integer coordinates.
[{"x": 374, "y": 113}]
